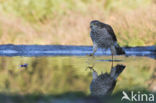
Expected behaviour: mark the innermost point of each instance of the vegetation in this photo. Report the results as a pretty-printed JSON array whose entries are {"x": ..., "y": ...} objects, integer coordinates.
[{"x": 67, "y": 21}]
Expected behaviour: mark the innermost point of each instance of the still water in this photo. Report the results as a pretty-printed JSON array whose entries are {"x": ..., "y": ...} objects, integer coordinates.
[
  {"x": 57, "y": 70},
  {"x": 56, "y": 75}
]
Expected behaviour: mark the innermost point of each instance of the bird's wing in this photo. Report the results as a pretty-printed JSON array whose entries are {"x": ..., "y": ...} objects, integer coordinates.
[
  {"x": 112, "y": 85},
  {"x": 110, "y": 31}
]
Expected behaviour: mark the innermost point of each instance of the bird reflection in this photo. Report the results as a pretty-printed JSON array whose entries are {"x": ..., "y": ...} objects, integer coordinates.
[{"x": 105, "y": 83}]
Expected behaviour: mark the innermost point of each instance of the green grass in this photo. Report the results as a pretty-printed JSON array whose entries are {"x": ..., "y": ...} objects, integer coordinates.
[
  {"x": 40, "y": 10},
  {"x": 67, "y": 21}
]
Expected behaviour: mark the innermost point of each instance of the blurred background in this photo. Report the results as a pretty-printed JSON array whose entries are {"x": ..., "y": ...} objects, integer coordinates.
[{"x": 67, "y": 21}]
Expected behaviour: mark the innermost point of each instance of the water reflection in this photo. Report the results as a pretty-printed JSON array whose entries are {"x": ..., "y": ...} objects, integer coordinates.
[
  {"x": 152, "y": 81},
  {"x": 61, "y": 75},
  {"x": 105, "y": 83}
]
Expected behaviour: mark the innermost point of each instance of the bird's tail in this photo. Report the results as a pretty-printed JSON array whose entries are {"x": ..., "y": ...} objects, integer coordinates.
[
  {"x": 115, "y": 71},
  {"x": 118, "y": 49}
]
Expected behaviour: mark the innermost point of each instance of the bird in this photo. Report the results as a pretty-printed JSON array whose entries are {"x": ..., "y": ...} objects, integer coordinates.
[
  {"x": 105, "y": 83},
  {"x": 103, "y": 36}
]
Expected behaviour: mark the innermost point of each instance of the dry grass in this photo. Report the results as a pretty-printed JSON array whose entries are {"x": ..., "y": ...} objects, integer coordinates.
[
  {"x": 135, "y": 27},
  {"x": 132, "y": 27}
]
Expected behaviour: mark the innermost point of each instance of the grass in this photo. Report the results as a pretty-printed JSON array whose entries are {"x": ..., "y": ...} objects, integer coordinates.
[{"x": 66, "y": 22}]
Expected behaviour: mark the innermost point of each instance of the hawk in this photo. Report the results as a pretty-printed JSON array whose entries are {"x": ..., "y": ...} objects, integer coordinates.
[
  {"x": 103, "y": 36},
  {"x": 104, "y": 84}
]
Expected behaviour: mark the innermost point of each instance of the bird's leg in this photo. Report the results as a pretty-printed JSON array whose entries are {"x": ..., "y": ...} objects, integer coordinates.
[
  {"x": 95, "y": 75},
  {"x": 112, "y": 60},
  {"x": 94, "y": 49},
  {"x": 113, "y": 52}
]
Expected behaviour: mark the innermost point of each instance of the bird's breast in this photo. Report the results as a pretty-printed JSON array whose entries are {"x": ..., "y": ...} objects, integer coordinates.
[{"x": 102, "y": 38}]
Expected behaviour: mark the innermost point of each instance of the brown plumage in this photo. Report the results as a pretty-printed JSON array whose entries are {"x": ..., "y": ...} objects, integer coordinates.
[
  {"x": 103, "y": 36},
  {"x": 105, "y": 83}
]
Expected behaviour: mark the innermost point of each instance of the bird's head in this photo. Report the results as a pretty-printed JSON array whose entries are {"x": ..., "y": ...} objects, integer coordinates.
[{"x": 96, "y": 24}]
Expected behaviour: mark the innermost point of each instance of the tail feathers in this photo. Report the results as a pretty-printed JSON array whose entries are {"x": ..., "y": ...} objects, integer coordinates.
[
  {"x": 116, "y": 71},
  {"x": 119, "y": 50}
]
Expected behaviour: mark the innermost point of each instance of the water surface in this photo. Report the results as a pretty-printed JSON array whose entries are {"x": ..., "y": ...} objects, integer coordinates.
[
  {"x": 45, "y": 70},
  {"x": 57, "y": 75}
]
